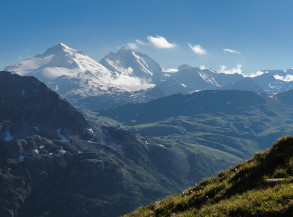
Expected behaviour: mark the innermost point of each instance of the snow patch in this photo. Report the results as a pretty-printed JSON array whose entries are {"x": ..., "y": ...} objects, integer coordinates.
[
  {"x": 183, "y": 85},
  {"x": 170, "y": 70},
  {"x": 208, "y": 79},
  {"x": 202, "y": 67},
  {"x": 62, "y": 151},
  {"x": 37, "y": 129},
  {"x": 91, "y": 140},
  {"x": 36, "y": 150},
  {"x": 142, "y": 63}
]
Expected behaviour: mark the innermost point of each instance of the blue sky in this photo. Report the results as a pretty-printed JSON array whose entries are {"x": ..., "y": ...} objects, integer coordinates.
[{"x": 257, "y": 33}]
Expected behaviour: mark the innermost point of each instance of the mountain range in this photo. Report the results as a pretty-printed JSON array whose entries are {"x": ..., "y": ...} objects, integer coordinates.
[
  {"x": 130, "y": 76},
  {"x": 56, "y": 162}
]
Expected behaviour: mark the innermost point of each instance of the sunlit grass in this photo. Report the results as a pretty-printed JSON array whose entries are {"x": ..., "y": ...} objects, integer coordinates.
[{"x": 240, "y": 191}]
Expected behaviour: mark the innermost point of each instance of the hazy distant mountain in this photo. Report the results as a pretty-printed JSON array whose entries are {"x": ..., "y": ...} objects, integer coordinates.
[
  {"x": 188, "y": 79},
  {"x": 275, "y": 81},
  {"x": 195, "y": 79}
]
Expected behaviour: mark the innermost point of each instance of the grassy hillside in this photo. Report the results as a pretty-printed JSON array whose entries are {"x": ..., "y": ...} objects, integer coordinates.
[{"x": 260, "y": 186}]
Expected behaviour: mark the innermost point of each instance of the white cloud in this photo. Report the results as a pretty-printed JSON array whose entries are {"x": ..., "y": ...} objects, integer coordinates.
[
  {"x": 197, "y": 49},
  {"x": 141, "y": 42},
  {"x": 130, "y": 83},
  {"x": 126, "y": 81},
  {"x": 237, "y": 70},
  {"x": 132, "y": 46},
  {"x": 227, "y": 50},
  {"x": 157, "y": 42},
  {"x": 160, "y": 42},
  {"x": 287, "y": 78},
  {"x": 258, "y": 73}
]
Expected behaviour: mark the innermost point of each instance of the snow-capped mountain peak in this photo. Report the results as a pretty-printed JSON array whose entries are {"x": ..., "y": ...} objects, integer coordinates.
[
  {"x": 59, "y": 60},
  {"x": 134, "y": 63},
  {"x": 59, "y": 48}
]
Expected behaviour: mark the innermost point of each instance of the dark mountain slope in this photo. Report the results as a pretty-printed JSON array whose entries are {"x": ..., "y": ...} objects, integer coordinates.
[
  {"x": 210, "y": 101},
  {"x": 28, "y": 107},
  {"x": 245, "y": 84},
  {"x": 286, "y": 97},
  {"x": 261, "y": 186}
]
